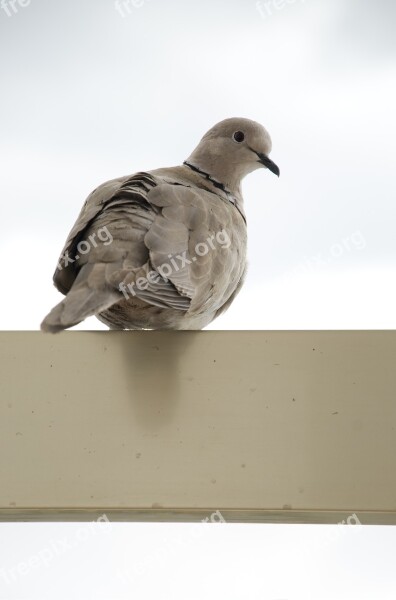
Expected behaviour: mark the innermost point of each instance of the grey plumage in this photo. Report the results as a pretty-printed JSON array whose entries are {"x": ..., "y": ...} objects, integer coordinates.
[{"x": 164, "y": 249}]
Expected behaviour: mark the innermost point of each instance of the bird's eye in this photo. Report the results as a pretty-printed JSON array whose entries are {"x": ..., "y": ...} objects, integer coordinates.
[{"x": 239, "y": 136}]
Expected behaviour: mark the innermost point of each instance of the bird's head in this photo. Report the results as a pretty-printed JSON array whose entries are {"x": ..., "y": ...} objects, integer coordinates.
[{"x": 232, "y": 149}]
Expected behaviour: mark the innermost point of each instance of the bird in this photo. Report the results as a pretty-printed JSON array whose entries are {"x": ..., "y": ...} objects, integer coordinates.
[{"x": 165, "y": 248}]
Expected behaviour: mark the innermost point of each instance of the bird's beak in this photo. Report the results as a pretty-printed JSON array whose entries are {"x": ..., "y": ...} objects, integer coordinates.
[{"x": 267, "y": 162}]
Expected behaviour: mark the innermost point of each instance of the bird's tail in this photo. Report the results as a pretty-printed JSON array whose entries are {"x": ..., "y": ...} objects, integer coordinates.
[{"x": 82, "y": 301}]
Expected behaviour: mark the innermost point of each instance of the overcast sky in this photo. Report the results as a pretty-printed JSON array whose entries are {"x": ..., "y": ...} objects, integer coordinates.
[{"x": 93, "y": 90}]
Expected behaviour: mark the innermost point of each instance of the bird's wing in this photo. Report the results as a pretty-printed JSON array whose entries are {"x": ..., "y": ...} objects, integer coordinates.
[
  {"x": 185, "y": 236},
  {"x": 177, "y": 241},
  {"x": 68, "y": 267},
  {"x": 154, "y": 237}
]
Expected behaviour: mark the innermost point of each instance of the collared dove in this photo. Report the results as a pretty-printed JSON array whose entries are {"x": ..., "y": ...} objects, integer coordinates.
[{"x": 164, "y": 249}]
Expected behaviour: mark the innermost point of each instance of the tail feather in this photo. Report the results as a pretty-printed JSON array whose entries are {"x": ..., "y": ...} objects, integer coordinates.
[
  {"x": 76, "y": 307},
  {"x": 82, "y": 301}
]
